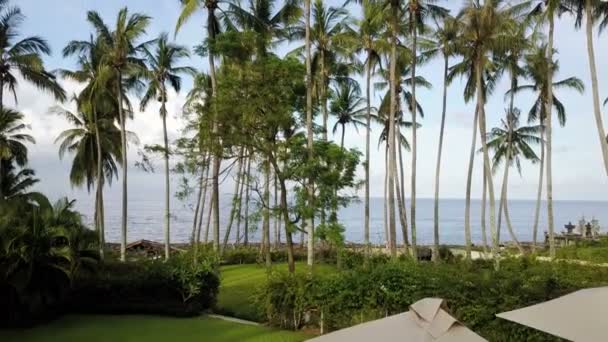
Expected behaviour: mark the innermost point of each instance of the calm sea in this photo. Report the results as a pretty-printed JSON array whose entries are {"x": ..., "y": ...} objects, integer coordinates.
[{"x": 145, "y": 219}]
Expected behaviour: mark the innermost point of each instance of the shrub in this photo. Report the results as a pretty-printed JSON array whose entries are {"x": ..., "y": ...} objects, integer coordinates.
[
  {"x": 474, "y": 292},
  {"x": 178, "y": 287}
]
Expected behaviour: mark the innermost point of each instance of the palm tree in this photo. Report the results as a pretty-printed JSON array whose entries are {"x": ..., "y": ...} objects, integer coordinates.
[
  {"x": 189, "y": 8},
  {"x": 418, "y": 11},
  {"x": 535, "y": 69},
  {"x": 545, "y": 12},
  {"x": 162, "y": 71},
  {"x": 120, "y": 54},
  {"x": 22, "y": 57},
  {"x": 367, "y": 37},
  {"x": 329, "y": 23},
  {"x": 12, "y": 142},
  {"x": 347, "y": 105},
  {"x": 589, "y": 9},
  {"x": 91, "y": 140},
  {"x": 15, "y": 184},
  {"x": 485, "y": 33},
  {"x": 509, "y": 143},
  {"x": 446, "y": 44},
  {"x": 309, "y": 145},
  {"x": 273, "y": 26}
]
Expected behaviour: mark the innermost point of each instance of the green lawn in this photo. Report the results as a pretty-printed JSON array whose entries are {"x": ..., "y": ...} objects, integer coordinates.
[
  {"x": 149, "y": 329},
  {"x": 238, "y": 285}
]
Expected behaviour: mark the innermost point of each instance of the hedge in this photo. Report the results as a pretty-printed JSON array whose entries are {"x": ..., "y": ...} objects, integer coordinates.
[
  {"x": 474, "y": 293},
  {"x": 178, "y": 287}
]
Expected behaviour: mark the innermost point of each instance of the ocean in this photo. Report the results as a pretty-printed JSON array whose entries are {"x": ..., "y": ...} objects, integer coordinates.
[{"x": 145, "y": 219}]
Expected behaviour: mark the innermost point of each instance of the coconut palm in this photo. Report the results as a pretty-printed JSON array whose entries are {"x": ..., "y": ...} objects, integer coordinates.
[
  {"x": 403, "y": 88},
  {"x": 347, "y": 105},
  {"x": 546, "y": 12},
  {"x": 96, "y": 99},
  {"x": 12, "y": 142},
  {"x": 485, "y": 34},
  {"x": 121, "y": 55},
  {"x": 16, "y": 184},
  {"x": 93, "y": 139},
  {"x": 445, "y": 44},
  {"x": 22, "y": 57},
  {"x": 535, "y": 70},
  {"x": 589, "y": 10},
  {"x": 328, "y": 24},
  {"x": 367, "y": 37},
  {"x": 309, "y": 144},
  {"x": 189, "y": 8},
  {"x": 419, "y": 11},
  {"x": 510, "y": 143},
  {"x": 272, "y": 25},
  {"x": 161, "y": 72}
]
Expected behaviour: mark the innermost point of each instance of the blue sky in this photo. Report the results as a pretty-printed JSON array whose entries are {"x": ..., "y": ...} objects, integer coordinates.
[{"x": 578, "y": 172}]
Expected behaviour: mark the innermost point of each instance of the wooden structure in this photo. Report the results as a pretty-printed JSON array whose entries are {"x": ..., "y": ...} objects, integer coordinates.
[{"x": 148, "y": 249}]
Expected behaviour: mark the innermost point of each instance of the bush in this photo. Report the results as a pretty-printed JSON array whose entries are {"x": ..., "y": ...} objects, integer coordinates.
[
  {"x": 474, "y": 292},
  {"x": 178, "y": 287}
]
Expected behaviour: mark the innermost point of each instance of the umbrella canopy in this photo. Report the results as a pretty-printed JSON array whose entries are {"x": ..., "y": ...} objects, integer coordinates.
[
  {"x": 426, "y": 321},
  {"x": 579, "y": 316}
]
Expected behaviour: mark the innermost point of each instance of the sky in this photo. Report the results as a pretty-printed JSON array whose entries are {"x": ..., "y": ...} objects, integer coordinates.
[{"x": 578, "y": 173}]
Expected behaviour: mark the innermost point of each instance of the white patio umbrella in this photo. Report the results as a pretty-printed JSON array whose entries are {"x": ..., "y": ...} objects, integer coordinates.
[
  {"x": 581, "y": 316},
  {"x": 426, "y": 321}
]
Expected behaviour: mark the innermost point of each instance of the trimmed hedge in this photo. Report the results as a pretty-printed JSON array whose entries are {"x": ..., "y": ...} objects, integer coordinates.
[
  {"x": 474, "y": 293},
  {"x": 177, "y": 288}
]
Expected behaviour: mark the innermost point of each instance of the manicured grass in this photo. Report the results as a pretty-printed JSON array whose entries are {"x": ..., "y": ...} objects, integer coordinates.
[
  {"x": 149, "y": 329},
  {"x": 238, "y": 285}
]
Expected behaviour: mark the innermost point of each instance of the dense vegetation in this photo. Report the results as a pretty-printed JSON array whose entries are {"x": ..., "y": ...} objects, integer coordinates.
[{"x": 474, "y": 293}]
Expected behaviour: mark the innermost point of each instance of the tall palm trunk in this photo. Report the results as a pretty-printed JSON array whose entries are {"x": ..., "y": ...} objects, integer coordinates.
[
  {"x": 368, "y": 125},
  {"x": 438, "y": 166},
  {"x": 309, "y": 220},
  {"x": 540, "y": 188},
  {"x": 247, "y": 191},
  {"x": 285, "y": 213},
  {"x": 400, "y": 189},
  {"x": 235, "y": 197},
  {"x": 342, "y": 138},
  {"x": 217, "y": 158},
  {"x": 391, "y": 130},
  {"x": 594, "y": 85},
  {"x": 163, "y": 114},
  {"x": 324, "y": 93},
  {"x": 467, "y": 207},
  {"x": 203, "y": 201},
  {"x": 209, "y": 214},
  {"x": 276, "y": 218},
  {"x": 197, "y": 208},
  {"x": 549, "y": 140},
  {"x": 387, "y": 236},
  {"x": 486, "y": 162},
  {"x": 484, "y": 206},
  {"x": 413, "y": 9},
  {"x": 402, "y": 218},
  {"x": 123, "y": 142},
  {"x": 266, "y": 224},
  {"x": 100, "y": 177},
  {"x": 244, "y": 176}
]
